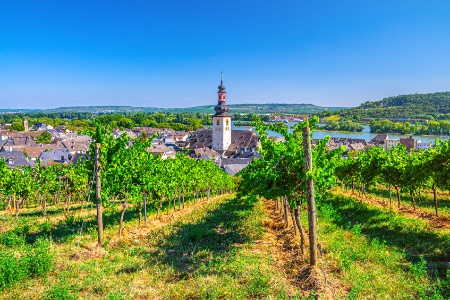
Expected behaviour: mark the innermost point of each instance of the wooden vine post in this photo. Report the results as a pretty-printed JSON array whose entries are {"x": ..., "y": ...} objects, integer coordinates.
[
  {"x": 98, "y": 195},
  {"x": 310, "y": 197}
]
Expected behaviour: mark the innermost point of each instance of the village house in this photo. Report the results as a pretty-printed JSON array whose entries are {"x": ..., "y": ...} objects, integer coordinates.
[
  {"x": 41, "y": 127},
  {"x": 423, "y": 145},
  {"x": 408, "y": 142},
  {"x": 391, "y": 143},
  {"x": 15, "y": 159},
  {"x": 58, "y": 155},
  {"x": 32, "y": 152},
  {"x": 163, "y": 151},
  {"x": 379, "y": 140},
  {"x": 76, "y": 146}
]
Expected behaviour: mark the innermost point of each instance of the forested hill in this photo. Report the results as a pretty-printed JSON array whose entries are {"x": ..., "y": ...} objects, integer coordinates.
[
  {"x": 209, "y": 109},
  {"x": 427, "y": 106}
]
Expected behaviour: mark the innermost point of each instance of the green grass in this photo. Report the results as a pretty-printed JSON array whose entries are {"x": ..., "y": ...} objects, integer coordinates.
[
  {"x": 208, "y": 253},
  {"x": 382, "y": 254},
  {"x": 425, "y": 202},
  {"x": 214, "y": 252}
]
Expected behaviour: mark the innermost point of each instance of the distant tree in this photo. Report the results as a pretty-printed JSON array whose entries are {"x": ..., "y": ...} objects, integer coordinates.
[
  {"x": 44, "y": 138},
  {"x": 17, "y": 126}
]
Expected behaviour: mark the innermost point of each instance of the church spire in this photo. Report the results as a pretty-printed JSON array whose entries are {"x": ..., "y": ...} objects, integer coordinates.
[
  {"x": 221, "y": 107},
  {"x": 221, "y": 86}
]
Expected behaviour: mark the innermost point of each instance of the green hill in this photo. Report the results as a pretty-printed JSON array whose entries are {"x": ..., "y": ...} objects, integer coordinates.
[
  {"x": 425, "y": 106},
  {"x": 234, "y": 108},
  {"x": 260, "y": 108}
]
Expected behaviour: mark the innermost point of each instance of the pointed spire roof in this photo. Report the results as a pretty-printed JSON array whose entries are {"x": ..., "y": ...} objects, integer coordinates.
[{"x": 221, "y": 86}]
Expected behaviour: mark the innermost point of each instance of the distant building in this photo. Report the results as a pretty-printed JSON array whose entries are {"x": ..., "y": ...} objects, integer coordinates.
[
  {"x": 423, "y": 145},
  {"x": 15, "y": 159},
  {"x": 42, "y": 127},
  {"x": 390, "y": 143},
  {"x": 221, "y": 136},
  {"x": 163, "y": 151},
  {"x": 58, "y": 155},
  {"x": 408, "y": 142},
  {"x": 379, "y": 139},
  {"x": 221, "y": 139},
  {"x": 25, "y": 125}
]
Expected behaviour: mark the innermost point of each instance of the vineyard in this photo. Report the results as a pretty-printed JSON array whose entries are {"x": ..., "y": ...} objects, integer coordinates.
[
  {"x": 297, "y": 223},
  {"x": 420, "y": 242}
]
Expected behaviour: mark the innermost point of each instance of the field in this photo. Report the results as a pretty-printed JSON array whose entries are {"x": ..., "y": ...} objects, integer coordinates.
[{"x": 228, "y": 248}]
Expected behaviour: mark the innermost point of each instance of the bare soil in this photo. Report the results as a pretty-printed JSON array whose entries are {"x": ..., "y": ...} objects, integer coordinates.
[{"x": 287, "y": 255}]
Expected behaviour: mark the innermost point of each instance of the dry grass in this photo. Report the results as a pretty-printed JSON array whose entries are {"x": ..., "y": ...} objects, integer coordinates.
[
  {"x": 441, "y": 222},
  {"x": 214, "y": 249},
  {"x": 287, "y": 255}
]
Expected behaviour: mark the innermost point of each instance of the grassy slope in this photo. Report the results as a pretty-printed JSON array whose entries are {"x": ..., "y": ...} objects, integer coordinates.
[
  {"x": 214, "y": 256},
  {"x": 382, "y": 254},
  {"x": 220, "y": 250}
]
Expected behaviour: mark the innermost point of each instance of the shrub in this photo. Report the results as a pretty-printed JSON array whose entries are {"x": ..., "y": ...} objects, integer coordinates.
[
  {"x": 10, "y": 238},
  {"x": 23, "y": 228},
  {"x": 35, "y": 260},
  {"x": 45, "y": 227},
  {"x": 39, "y": 258},
  {"x": 11, "y": 269}
]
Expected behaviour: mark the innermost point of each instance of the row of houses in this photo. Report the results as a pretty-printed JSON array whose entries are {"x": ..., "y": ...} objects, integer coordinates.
[
  {"x": 381, "y": 140},
  {"x": 22, "y": 149}
]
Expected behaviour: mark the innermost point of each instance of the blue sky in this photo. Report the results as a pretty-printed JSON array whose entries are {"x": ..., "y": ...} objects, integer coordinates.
[{"x": 170, "y": 53}]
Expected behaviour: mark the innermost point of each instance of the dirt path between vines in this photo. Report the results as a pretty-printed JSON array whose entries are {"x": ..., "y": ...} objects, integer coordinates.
[
  {"x": 285, "y": 250},
  {"x": 438, "y": 223}
]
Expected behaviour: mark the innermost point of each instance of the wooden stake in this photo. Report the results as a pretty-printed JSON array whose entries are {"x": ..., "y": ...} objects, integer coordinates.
[
  {"x": 145, "y": 210},
  {"x": 310, "y": 197},
  {"x": 98, "y": 195}
]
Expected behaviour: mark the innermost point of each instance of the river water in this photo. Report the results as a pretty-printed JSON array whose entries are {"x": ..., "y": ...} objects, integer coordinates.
[{"x": 320, "y": 134}]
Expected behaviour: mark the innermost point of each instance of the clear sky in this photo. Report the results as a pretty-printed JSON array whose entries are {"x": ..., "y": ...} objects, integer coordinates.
[{"x": 170, "y": 53}]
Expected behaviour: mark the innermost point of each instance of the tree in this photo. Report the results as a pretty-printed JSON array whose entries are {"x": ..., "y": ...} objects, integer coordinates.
[
  {"x": 17, "y": 125},
  {"x": 44, "y": 138}
]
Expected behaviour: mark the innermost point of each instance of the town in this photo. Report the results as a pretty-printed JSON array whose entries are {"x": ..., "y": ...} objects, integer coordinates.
[{"x": 231, "y": 150}]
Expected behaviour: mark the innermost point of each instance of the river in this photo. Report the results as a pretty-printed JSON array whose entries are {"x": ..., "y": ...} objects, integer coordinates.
[{"x": 320, "y": 134}]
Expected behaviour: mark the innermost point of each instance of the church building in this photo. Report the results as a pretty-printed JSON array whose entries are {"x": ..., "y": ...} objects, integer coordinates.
[
  {"x": 234, "y": 146},
  {"x": 221, "y": 132}
]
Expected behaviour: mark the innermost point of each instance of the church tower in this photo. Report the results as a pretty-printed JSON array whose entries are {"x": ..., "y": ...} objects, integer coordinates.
[
  {"x": 25, "y": 125},
  {"x": 221, "y": 122}
]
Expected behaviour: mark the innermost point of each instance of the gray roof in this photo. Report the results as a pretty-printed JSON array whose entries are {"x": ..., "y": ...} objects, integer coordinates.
[
  {"x": 15, "y": 159},
  {"x": 58, "y": 155},
  {"x": 240, "y": 139},
  {"x": 233, "y": 169}
]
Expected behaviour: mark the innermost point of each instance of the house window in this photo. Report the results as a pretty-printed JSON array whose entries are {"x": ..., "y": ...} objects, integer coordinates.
[
  {"x": 62, "y": 157},
  {"x": 218, "y": 122},
  {"x": 10, "y": 161}
]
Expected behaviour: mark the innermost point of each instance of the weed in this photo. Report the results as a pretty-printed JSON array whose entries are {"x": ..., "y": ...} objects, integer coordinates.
[
  {"x": 45, "y": 227},
  {"x": 59, "y": 292},
  {"x": 39, "y": 256},
  {"x": 34, "y": 260},
  {"x": 10, "y": 238},
  {"x": 116, "y": 295},
  {"x": 23, "y": 228},
  {"x": 12, "y": 269}
]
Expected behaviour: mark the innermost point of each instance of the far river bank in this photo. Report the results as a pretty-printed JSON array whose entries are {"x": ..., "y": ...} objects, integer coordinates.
[{"x": 366, "y": 135}]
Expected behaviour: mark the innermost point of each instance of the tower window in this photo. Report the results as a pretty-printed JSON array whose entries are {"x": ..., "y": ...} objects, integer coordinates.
[{"x": 218, "y": 121}]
